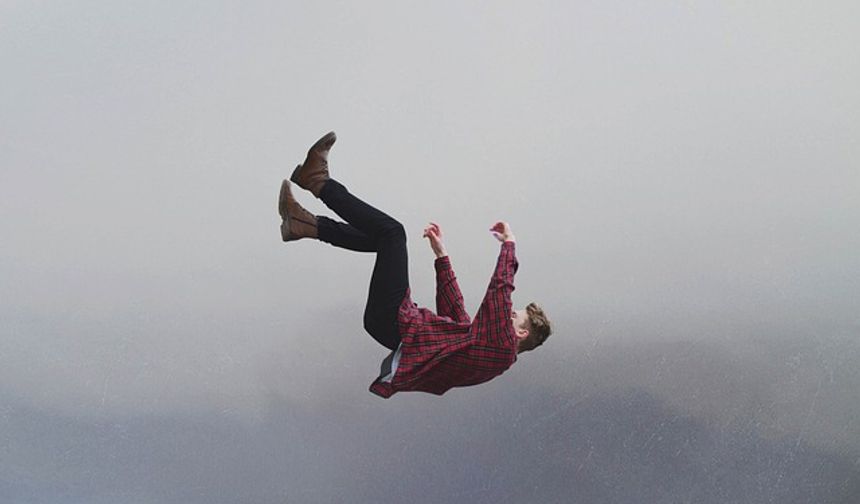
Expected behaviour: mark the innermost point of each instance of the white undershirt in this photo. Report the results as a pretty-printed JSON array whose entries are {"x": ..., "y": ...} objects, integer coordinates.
[{"x": 394, "y": 362}]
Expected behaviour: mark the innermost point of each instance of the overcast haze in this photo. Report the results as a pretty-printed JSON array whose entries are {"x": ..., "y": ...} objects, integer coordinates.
[{"x": 683, "y": 179}]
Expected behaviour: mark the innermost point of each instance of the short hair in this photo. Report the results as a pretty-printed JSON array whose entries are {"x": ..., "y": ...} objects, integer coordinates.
[{"x": 539, "y": 328}]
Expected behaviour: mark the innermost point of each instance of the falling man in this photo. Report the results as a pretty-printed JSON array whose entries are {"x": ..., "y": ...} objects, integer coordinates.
[{"x": 430, "y": 352}]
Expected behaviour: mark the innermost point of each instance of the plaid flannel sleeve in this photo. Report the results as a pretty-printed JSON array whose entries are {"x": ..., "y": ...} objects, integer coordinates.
[
  {"x": 449, "y": 299},
  {"x": 494, "y": 315}
]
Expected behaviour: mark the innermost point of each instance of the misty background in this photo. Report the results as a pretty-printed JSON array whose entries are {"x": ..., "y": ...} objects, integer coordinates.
[{"x": 683, "y": 179}]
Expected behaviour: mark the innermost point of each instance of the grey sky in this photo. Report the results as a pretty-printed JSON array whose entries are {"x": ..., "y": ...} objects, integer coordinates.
[{"x": 683, "y": 179}]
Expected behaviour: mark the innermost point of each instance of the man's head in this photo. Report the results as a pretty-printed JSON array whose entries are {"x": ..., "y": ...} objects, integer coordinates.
[{"x": 531, "y": 327}]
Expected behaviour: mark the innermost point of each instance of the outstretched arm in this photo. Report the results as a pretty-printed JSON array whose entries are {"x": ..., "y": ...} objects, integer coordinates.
[
  {"x": 449, "y": 299},
  {"x": 495, "y": 311}
]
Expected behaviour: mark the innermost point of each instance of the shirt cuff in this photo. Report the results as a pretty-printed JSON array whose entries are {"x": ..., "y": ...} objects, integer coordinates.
[{"x": 442, "y": 263}]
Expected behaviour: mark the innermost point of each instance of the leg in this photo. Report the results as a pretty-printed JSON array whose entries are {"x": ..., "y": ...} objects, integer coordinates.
[
  {"x": 388, "y": 286},
  {"x": 343, "y": 235},
  {"x": 359, "y": 214},
  {"x": 368, "y": 229},
  {"x": 390, "y": 280}
]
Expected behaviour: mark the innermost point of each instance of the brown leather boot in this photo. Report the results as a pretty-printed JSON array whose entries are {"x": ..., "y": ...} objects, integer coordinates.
[
  {"x": 314, "y": 172},
  {"x": 297, "y": 222}
]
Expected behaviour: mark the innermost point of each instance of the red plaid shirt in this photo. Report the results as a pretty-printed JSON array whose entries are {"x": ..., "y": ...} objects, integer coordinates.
[{"x": 446, "y": 349}]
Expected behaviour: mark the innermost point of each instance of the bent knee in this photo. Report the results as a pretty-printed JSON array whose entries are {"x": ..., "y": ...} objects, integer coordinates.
[
  {"x": 372, "y": 324},
  {"x": 368, "y": 325},
  {"x": 393, "y": 230}
]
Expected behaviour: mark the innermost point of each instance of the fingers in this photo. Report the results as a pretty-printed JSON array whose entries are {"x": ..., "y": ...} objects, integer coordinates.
[
  {"x": 434, "y": 229},
  {"x": 500, "y": 226},
  {"x": 501, "y": 230},
  {"x": 431, "y": 233}
]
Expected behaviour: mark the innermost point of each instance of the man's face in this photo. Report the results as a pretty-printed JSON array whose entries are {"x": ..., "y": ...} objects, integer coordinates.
[{"x": 520, "y": 320}]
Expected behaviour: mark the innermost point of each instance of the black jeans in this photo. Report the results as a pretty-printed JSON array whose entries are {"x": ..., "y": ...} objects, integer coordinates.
[{"x": 370, "y": 230}]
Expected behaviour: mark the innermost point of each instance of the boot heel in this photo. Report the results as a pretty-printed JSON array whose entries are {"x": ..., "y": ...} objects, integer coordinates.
[{"x": 295, "y": 176}]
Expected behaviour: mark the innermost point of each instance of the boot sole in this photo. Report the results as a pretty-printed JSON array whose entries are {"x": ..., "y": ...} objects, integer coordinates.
[
  {"x": 285, "y": 230},
  {"x": 282, "y": 210},
  {"x": 329, "y": 138},
  {"x": 282, "y": 199},
  {"x": 295, "y": 176}
]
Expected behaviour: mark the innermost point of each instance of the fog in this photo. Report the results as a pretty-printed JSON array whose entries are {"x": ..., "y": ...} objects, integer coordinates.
[{"x": 683, "y": 179}]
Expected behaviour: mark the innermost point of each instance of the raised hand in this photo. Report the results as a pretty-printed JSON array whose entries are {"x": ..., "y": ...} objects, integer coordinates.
[
  {"x": 502, "y": 231},
  {"x": 434, "y": 233}
]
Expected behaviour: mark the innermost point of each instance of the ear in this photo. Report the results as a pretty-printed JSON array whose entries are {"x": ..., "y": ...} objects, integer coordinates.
[{"x": 522, "y": 333}]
